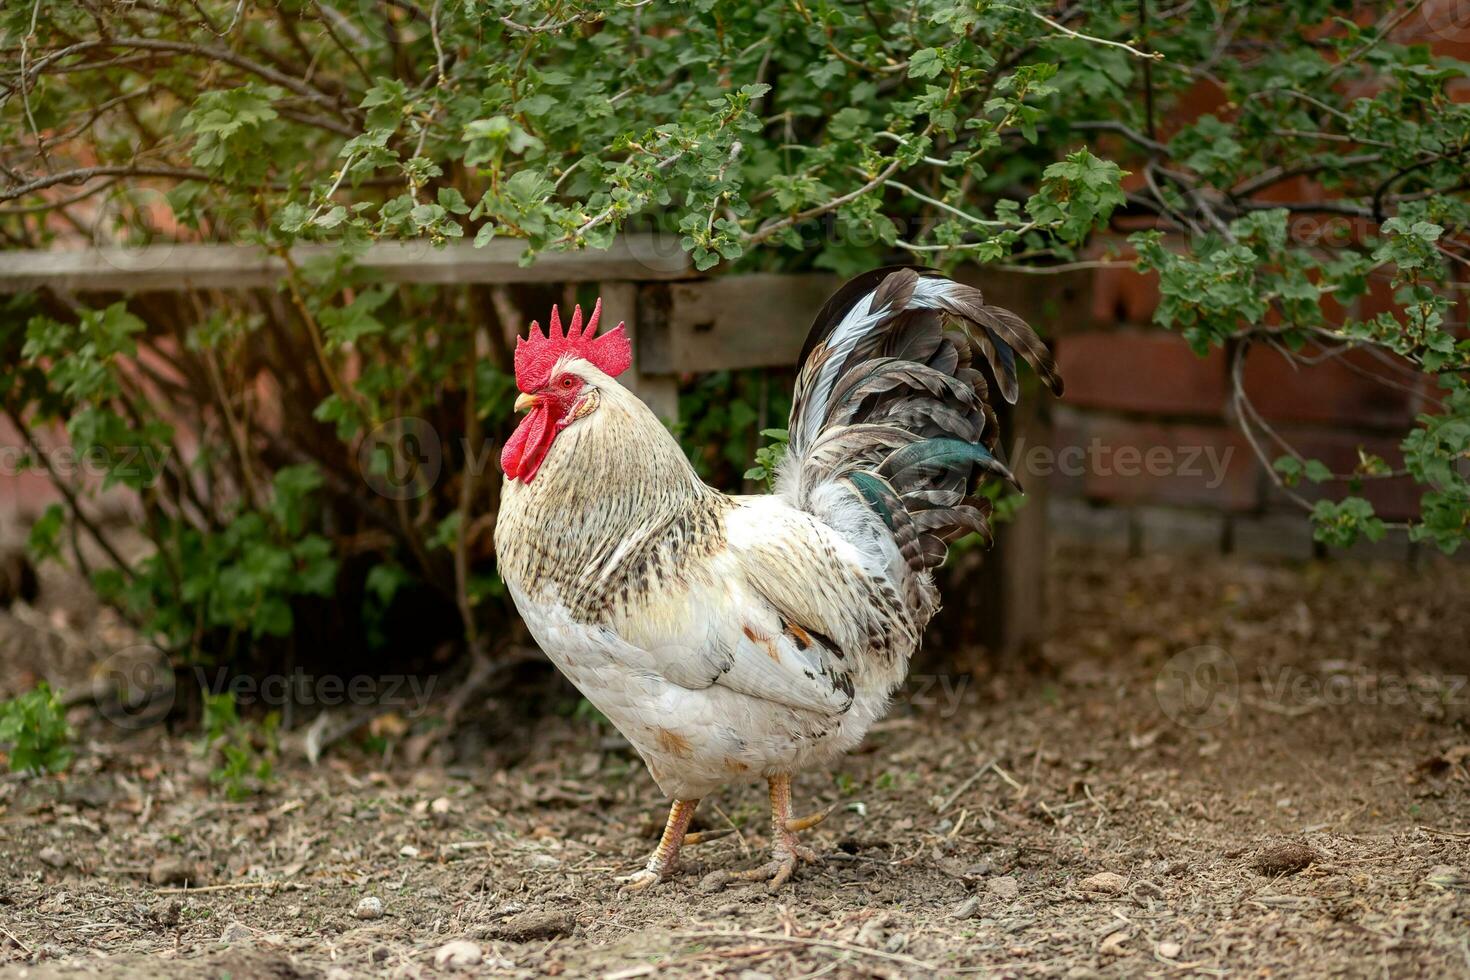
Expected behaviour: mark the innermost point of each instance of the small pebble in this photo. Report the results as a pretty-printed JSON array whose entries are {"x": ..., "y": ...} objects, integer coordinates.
[
  {"x": 167, "y": 913},
  {"x": 52, "y": 857},
  {"x": 369, "y": 908},
  {"x": 458, "y": 954},
  {"x": 714, "y": 881},
  {"x": 543, "y": 860},
  {"x": 1004, "y": 887},
  {"x": 1106, "y": 882},
  {"x": 529, "y": 926},
  {"x": 1447, "y": 876},
  {"x": 171, "y": 871},
  {"x": 236, "y": 932},
  {"x": 1170, "y": 951},
  {"x": 967, "y": 908},
  {"x": 1284, "y": 859}
]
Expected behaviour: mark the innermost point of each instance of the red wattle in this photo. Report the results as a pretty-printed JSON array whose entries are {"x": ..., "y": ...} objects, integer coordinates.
[{"x": 522, "y": 455}]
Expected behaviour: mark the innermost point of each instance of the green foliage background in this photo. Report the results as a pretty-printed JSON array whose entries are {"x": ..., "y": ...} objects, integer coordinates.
[{"x": 785, "y": 136}]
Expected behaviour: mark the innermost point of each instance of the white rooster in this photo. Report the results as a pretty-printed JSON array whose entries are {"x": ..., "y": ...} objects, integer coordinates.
[{"x": 729, "y": 637}]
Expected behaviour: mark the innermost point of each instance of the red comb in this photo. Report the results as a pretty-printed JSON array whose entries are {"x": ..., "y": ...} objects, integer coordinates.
[{"x": 537, "y": 354}]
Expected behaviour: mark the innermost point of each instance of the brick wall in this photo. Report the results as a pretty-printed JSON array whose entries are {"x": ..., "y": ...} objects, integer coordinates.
[
  {"x": 1132, "y": 389},
  {"x": 1157, "y": 461},
  {"x": 1146, "y": 455}
]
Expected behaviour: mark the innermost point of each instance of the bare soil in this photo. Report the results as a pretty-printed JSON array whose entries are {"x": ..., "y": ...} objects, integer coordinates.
[{"x": 1213, "y": 769}]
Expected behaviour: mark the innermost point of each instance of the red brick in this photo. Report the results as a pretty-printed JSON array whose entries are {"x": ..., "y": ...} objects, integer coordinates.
[
  {"x": 1329, "y": 391},
  {"x": 1142, "y": 371},
  {"x": 1124, "y": 296},
  {"x": 1444, "y": 25},
  {"x": 1203, "y": 98},
  {"x": 24, "y": 493},
  {"x": 1122, "y": 461}
]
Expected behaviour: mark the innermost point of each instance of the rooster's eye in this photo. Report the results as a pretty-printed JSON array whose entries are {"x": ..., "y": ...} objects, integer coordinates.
[{"x": 566, "y": 382}]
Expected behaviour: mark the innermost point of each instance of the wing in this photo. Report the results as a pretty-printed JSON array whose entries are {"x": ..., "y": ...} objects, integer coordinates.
[{"x": 818, "y": 622}]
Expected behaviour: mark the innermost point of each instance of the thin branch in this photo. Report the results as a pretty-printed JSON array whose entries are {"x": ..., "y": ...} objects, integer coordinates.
[
  {"x": 935, "y": 202},
  {"x": 1145, "y": 55},
  {"x": 765, "y": 232},
  {"x": 84, "y": 174},
  {"x": 224, "y": 55},
  {"x": 1277, "y": 174},
  {"x": 1380, "y": 32},
  {"x": 67, "y": 492}
]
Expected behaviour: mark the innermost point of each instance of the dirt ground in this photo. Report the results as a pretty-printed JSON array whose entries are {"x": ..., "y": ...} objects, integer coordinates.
[{"x": 1217, "y": 769}]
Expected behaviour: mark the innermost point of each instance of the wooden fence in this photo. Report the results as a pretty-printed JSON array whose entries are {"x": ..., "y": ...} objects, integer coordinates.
[{"x": 682, "y": 323}]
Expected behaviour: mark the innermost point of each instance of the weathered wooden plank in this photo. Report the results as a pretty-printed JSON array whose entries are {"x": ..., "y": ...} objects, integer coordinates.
[
  {"x": 1012, "y": 582},
  {"x": 168, "y": 268},
  {"x": 761, "y": 320},
  {"x": 733, "y": 322},
  {"x": 659, "y": 392}
]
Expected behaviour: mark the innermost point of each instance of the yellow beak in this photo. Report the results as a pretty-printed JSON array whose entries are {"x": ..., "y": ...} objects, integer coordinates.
[{"x": 525, "y": 402}]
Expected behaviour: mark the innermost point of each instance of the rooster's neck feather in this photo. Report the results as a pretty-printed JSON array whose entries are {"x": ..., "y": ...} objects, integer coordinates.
[{"x": 610, "y": 482}]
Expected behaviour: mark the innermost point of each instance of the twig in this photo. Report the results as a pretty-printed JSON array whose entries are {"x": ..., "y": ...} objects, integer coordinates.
[
  {"x": 84, "y": 174},
  {"x": 439, "y": 59},
  {"x": 744, "y": 845},
  {"x": 25, "y": 90},
  {"x": 960, "y": 790},
  {"x": 1381, "y": 31},
  {"x": 1145, "y": 55},
  {"x": 1006, "y": 776},
  {"x": 236, "y": 886},
  {"x": 1053, "y": 270},
  {"x": 761, "y": 234},
  {"x": 15, "y": 939},
  {"x": 827, "y": 943},
  {"x": 935, "y": 202},
  {"x": 67, "y": 492},
  {"x": 1443, "y": 833},
  {"x": 224, "y": 55}
]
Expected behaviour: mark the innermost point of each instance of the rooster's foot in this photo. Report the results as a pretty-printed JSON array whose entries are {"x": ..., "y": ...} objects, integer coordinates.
[
  {"x": 642, "y": 879},
  {"x": 787, "y": 854},
  {"x": 665, "y": 860}
]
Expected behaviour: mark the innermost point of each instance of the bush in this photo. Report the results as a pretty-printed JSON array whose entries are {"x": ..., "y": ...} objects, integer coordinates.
[
  {"x": 789, "y": 136},
  {"x": 34, "y": 726}
]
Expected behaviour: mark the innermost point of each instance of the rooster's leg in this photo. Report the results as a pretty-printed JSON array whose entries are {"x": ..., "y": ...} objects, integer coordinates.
[
  {"x": 665, "y": 858},
  {"x": 786, "y": 850}
]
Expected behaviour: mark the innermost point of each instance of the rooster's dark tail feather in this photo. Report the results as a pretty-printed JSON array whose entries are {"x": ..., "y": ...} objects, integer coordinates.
[{"x": 887, "y": 401}]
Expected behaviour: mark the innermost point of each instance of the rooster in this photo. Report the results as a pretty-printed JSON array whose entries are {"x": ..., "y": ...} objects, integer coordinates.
[{"x": 733, "y": 637}]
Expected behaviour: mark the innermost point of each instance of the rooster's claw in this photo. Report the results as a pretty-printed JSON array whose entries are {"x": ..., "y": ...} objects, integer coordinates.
[
  {"x": 640, "y": 880},
  {"x": 777, "y": 871}
]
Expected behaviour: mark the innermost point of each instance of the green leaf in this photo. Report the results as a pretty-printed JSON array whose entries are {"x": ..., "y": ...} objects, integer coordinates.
[{"x": 926, "y": 63}]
